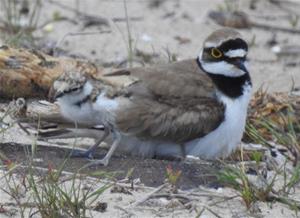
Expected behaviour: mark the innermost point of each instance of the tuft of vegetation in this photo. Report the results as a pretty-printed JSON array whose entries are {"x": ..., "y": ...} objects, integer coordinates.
[
  {"x": 262, "y": 188},
  {"x": 229, "y": 6},
  {"x": 130, "y": 49},
  {"x": 273, "y": 119},
  {"x": 50, "y": 192},
  {"x": 20, "y": 19},
  {"x": 69, "y": 197},
  {"x": 294, "y": 20},
  {"x": 172, "y": 177}
]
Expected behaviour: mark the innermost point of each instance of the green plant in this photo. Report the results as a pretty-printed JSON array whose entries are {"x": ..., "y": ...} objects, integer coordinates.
[
  {"x": 130, "y": 51},
  {"x": 294, "y": 20},
  {"x": 52, "y": 192},
  {"x": 290, "y": 181},
  {"x": 172, "y": 57},
  {"x": 20, "y": 19},
  {"x": 57, "y": 196},
  {"x": 285, "y": 131},
  {"x": 229, "y": 5},
  {"x": 238, "y": 180},
  {"x": 256, "y": 156},
  {"x": 172, "y": 177},
  {"x": 13, "y": 186}
]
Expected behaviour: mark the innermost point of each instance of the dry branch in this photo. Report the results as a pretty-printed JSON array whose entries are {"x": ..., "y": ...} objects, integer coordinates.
[
  {"x": 239, "y": 19},
  {"x": 30, "y": 73}
]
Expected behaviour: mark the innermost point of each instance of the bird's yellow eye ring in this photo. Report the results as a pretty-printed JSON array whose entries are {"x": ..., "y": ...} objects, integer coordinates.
[{"x": 216, "y": 53}]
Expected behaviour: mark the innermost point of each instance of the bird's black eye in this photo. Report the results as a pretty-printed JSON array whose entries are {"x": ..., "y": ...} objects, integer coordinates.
[
  {"x": 75, "y": 89},
  {"x": 216, "y": 53}
]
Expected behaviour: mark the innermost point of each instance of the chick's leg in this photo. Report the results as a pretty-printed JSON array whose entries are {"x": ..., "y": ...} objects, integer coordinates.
[
  {"x": 107, "y": 157},
  {"x": 89, "y": 153}
]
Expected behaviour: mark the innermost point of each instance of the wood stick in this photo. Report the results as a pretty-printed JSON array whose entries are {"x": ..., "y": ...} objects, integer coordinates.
[
  {"x": 241, "y": 20},
  {"x": 148, "y": 196},
  {"x": 30, "y": 73}
]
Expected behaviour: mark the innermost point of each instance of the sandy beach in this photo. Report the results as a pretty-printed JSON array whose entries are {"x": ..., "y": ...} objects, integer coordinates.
[{"x": 160, "y": 31}]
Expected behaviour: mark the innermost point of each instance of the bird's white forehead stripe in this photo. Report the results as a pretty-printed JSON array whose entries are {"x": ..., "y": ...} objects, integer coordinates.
[
  {"x": 211, "y": 44},
  {"x": 235, "y": 53}
]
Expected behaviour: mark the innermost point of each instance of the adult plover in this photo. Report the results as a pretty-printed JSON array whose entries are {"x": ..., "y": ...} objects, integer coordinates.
[{"x": 194, "y": 107}]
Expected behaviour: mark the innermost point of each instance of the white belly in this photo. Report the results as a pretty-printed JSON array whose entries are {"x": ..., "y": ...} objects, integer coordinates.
[
  {"x": 83, "y": 114},
  {"x": 223, "y": 140}
]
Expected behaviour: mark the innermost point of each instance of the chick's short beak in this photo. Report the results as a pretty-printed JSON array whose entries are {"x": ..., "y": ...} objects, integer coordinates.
[
  {"x": 54, "y": 95},
  {"x": 58, "y": 95}
]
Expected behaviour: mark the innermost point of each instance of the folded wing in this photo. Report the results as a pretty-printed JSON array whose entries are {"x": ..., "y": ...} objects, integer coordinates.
[{"x": 173, "y": 102}]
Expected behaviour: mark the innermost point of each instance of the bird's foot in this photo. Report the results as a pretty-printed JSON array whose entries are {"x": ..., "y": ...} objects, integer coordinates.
[
  {"x": 107, "y": 157},
  {"x": 83, "y": 154},
  {"x": 103, "y": 162}
]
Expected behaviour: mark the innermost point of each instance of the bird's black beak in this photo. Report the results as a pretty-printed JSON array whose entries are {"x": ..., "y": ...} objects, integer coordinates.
[{"x": 240, "y": 63}]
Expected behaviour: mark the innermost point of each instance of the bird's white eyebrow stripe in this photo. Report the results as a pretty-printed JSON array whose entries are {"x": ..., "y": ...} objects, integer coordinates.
[{"x": 235, "y": 53}]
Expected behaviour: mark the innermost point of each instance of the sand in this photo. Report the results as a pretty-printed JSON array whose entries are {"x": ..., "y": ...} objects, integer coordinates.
[{"x": 158, "y": 28}]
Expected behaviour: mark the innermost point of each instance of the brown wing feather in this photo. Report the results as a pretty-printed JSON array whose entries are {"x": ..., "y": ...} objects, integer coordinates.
[
  {"x": 180, "y": 122},
  {"x": 174, "y": 102},
  {"x": 181, "y": 79}
]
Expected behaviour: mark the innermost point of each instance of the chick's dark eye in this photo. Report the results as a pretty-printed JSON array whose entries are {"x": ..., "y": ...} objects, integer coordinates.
[
  {"x": 216, "y": 53},
  {"x": 72, "y": 90},
  {"x": 75, "y": 89}
]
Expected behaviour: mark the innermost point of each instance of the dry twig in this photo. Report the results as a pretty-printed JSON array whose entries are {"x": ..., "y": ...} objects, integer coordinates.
[{"x": 148, "y": 196}]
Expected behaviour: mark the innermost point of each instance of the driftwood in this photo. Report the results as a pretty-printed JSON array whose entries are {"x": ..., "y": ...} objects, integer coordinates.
[
  {"x": 30, "y": 73},
  {"x": 238, "y": 19},
  {"x": 45, "y": 119},
  {"x": 38, "y": 111}
]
